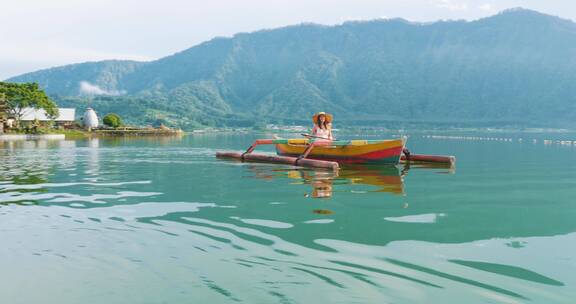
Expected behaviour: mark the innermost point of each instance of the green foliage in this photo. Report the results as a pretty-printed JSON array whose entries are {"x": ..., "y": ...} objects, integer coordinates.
[
  {"x": 112, "y": 120},
  {"x": 18, "y": 96},
  {"x": 516, "y": 67},
  {"x": 3, "y": 107}
]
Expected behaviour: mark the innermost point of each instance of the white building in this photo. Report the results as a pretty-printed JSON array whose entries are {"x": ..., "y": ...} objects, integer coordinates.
[
  {"x": 66, "y": 116},
  {"x": 90, "y": 119}
]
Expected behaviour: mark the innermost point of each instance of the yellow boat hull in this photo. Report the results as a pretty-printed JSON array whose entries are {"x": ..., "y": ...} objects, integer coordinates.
[{"x": 356, "y": 152}]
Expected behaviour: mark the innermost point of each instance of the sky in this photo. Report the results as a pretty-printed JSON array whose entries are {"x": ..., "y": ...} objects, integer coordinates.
[{"x": 38, "y": 34}]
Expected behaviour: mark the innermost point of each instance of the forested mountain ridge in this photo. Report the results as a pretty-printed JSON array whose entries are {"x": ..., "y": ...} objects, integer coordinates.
[{"x": 515, "y": 67}]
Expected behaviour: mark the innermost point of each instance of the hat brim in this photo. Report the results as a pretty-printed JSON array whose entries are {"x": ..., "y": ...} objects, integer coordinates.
[{"x": 329, "y": 117}]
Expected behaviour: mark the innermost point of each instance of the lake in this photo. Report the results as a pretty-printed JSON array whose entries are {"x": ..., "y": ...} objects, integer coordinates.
[{"x": 163, "y": 221}]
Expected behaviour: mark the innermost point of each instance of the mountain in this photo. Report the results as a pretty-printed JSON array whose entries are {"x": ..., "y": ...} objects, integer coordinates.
[
  {"x": 516, "y": 67},
  {"x": 66, "y": 80}
]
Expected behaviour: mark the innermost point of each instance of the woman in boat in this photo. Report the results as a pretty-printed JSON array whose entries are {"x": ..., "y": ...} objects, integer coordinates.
[{"x": 322, "y": 126}]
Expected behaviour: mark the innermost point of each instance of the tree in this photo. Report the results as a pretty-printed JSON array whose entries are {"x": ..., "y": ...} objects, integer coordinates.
[
  {"x": 112, "y": 120},
  {"x": 2, "y": 111},
  {"x": 18, "y": 96}
]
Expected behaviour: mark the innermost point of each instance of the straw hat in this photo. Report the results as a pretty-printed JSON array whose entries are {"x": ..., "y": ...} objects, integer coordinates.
[{"x": 328, "y": 117}]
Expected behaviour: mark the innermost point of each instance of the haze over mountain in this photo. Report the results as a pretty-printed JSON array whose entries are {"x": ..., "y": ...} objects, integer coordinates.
[{"x": 516, "y": 67}]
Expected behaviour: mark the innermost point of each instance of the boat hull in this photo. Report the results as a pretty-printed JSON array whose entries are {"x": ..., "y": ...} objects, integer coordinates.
[{"x": 357, "y": 152}]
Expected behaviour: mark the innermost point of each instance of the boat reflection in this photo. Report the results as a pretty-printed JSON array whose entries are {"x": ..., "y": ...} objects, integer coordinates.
[{"x": 385, "y": 179}]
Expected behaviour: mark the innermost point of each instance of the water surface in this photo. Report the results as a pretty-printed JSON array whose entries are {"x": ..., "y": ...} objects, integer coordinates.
[{"x": 163, "y": 221}]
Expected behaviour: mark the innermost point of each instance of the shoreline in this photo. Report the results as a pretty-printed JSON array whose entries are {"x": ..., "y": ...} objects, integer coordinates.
[
  {"x": 11, "y": 137},
  {"x": 363, "y": 131},
  {"x": 81, "y": 134},
  {"x": 137, "y": 132}
]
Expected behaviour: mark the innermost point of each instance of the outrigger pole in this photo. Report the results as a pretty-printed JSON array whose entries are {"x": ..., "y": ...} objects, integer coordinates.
[{"x": 295, "y": 161}]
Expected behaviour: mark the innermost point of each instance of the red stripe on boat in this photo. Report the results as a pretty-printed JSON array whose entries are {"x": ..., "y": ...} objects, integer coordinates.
[{"x": 391, "y": 155}]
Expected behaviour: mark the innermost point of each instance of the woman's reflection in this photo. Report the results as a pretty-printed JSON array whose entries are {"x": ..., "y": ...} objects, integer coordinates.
[{"x": 321, "y": 181}]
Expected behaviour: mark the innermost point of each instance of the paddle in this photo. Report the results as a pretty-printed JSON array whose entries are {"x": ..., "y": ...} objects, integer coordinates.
[{"x": 314, "y": 136}]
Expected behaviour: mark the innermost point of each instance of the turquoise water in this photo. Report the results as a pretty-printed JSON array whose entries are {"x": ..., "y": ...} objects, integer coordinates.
[{"x": 163, "y": 221}]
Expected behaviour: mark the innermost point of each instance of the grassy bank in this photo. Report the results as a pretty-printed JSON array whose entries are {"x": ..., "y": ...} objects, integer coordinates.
[
  {"x": 80, "y": 134},
  {"x": 70, "y": 134}
]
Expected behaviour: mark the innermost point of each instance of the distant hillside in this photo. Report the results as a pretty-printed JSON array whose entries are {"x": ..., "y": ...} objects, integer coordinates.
[
  {"x": 66, "y": 80},
  {"x": 516, "y": 67}
]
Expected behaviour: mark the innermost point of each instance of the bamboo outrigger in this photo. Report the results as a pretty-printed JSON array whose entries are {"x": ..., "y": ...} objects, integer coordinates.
[{"x": 320, "y": 153}]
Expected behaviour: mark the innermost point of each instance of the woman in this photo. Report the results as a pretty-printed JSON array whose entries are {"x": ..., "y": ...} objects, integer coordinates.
[{"x": 322, "y": 126}]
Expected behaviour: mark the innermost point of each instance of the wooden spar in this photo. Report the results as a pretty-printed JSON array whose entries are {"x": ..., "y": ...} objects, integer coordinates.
[
  {"x": 314, "y": 136},
  {"x": 417, "y": 158},
  {"x": 294, "y": 161}
]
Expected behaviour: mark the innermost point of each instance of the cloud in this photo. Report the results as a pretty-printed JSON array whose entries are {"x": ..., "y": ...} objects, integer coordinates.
[
  {"x": 451, "y": 5},
  {"x": 486, "y": 7},
  {"x": 92, "y": 89}
]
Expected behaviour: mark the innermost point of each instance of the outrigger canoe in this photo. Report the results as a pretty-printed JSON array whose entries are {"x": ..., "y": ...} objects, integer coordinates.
[
  {"x": 330, "y": 154},
  {"x": 347, "y": 151}
]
